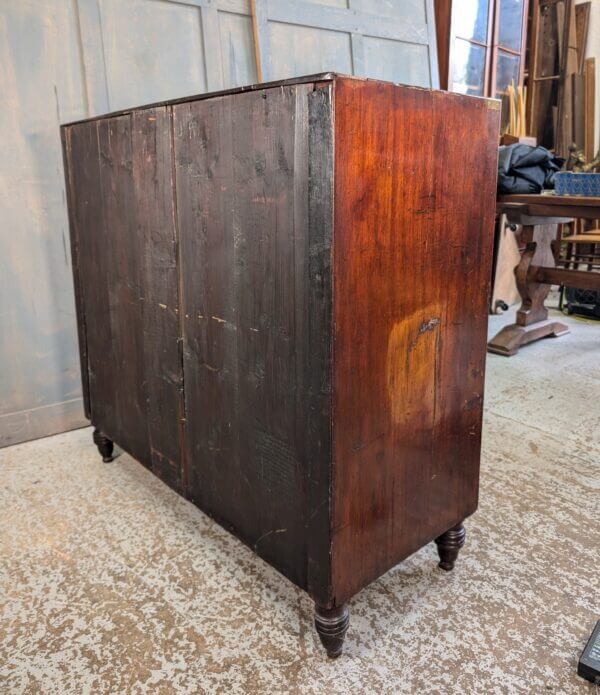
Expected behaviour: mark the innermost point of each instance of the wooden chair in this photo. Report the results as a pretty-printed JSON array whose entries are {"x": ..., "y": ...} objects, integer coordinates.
[{"x": 579, "y": 248}]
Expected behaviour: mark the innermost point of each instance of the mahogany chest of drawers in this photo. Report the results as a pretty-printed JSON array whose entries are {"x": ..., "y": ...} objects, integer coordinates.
[{"x": 282, "y": 305}]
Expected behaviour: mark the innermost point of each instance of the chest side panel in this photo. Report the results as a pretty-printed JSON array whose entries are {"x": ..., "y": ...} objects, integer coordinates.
[
  {"x": 120, "y": 179},
  {"x": 254, "y": 317},
  {"x": 415, "y": 178}
]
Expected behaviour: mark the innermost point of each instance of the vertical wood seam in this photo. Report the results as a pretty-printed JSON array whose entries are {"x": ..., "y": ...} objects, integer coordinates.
[
  {"x": 141, "y": 273},
  {"x": 319, "y": 583},
  {"x": 180, "y": 305},
  {"x": 79, "y": 295},
  {"x": 330, "y": 496}
]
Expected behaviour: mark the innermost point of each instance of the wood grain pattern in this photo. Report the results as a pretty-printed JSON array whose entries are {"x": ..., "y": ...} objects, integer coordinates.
[
  {"x": 412, "y": 248},
  {"x": 115, "y": 333},
  {"x": 582, "y": 20},
  {"x": 77, "y": 213},
  {"x": 242, "y": 178},
  {"x": 284, "y": 298},
  {"x": 318, "y": 357},
  {"x": 589, "y": 108},
  {"x": 443, "y": 32},
  {"x": 157, "y": 251},
  {"x": 124, "y": 237},
  {"x": 87, "y": 232}
]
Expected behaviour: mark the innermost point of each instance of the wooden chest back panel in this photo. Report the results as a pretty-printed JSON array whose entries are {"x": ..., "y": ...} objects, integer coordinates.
[
  {"x": 282, "y": 311},
  {"x": 254, "y": 415},
  {"x": 153, "y": 173},
  {"x": 415, "y": 191},
  {"x": 120, "y": 173}
]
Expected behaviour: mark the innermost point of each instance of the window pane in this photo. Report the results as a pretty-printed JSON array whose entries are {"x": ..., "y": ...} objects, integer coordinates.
[
  {"x": 507, "y": 71},
  {"x": 470, "y": 19},
  {"x": 510, "y": 24},
  {"x": 469, "y": 67}
]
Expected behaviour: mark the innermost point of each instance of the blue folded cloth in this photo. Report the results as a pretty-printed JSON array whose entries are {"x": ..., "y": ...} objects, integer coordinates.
[{"x": 526, "y": 169}]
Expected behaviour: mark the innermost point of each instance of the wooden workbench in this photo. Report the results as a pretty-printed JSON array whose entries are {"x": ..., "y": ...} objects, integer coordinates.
[{"x": 537, "y": 271}]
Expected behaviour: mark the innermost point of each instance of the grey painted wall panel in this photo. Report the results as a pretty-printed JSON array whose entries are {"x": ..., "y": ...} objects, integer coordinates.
[
  {"x": 396, "y": 61},
  {"x": 387, "y": 39},
  {"x": 405, "y": 10},
  {"x": 300, "y": 50},
  {"x": 61, "y": 60},
  {"x": 40, "y": 85},
  {"x": 237, "y": 50},
  {"x": 153, "y": 51},
  {"x": 334, "y": 3}
]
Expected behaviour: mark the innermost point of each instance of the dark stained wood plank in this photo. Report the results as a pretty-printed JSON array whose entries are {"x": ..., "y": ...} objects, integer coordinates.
[
  {"x": 270, "y": 181},
  {"x": 318, "y": 317},
  {"x": 124, "y": 231},
  {"x": 242, "y": 192},
  {"x": 159, "y": 291},
  {"x": 84, "y": 169},
  {"x": 78, "y": 211},
  {"x": 589, "y": 108},
  {"x": 117, "y": 378},
  {"x": 443, "y": 31},
  {"x": 204, "y": 174},
  {"x": 412, "y": 247},
  {"x": 582, "y": 22},
  {"x": 304, "y": 79}
]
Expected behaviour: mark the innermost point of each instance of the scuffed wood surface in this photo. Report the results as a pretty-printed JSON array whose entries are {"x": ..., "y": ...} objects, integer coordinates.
[
  {"x": 161, "y": 358},
  {"x": 115, "y": 332},
  {"x": 412, "y": 246},
  {"x": 253, "y": 381},
  {"x": 284, "y": 295},
  {"x": 124, "y": 229}
]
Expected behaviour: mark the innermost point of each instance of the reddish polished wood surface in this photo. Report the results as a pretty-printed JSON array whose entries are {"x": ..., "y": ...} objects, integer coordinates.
[{"x": 415, "y": 177}]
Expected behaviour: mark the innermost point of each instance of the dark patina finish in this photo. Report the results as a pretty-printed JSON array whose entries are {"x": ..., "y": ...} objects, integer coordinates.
[{"x": 282, "y": 309}]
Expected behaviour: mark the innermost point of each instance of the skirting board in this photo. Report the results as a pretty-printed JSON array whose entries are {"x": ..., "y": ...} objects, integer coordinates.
[{"x": 41, "y": 422}]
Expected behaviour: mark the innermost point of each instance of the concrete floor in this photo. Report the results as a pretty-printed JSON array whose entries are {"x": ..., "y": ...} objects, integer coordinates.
[{"x": 111, "y": 583}]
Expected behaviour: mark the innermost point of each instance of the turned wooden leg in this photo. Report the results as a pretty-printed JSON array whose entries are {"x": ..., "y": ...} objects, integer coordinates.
[
  {"x": 105, "y": 446},
  {"x": 449, "y": 545},
  {"x": 331, "y": 624}
]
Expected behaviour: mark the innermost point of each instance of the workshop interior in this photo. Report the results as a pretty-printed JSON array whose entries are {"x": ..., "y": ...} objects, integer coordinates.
[{"x": 299, "y": 346}]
